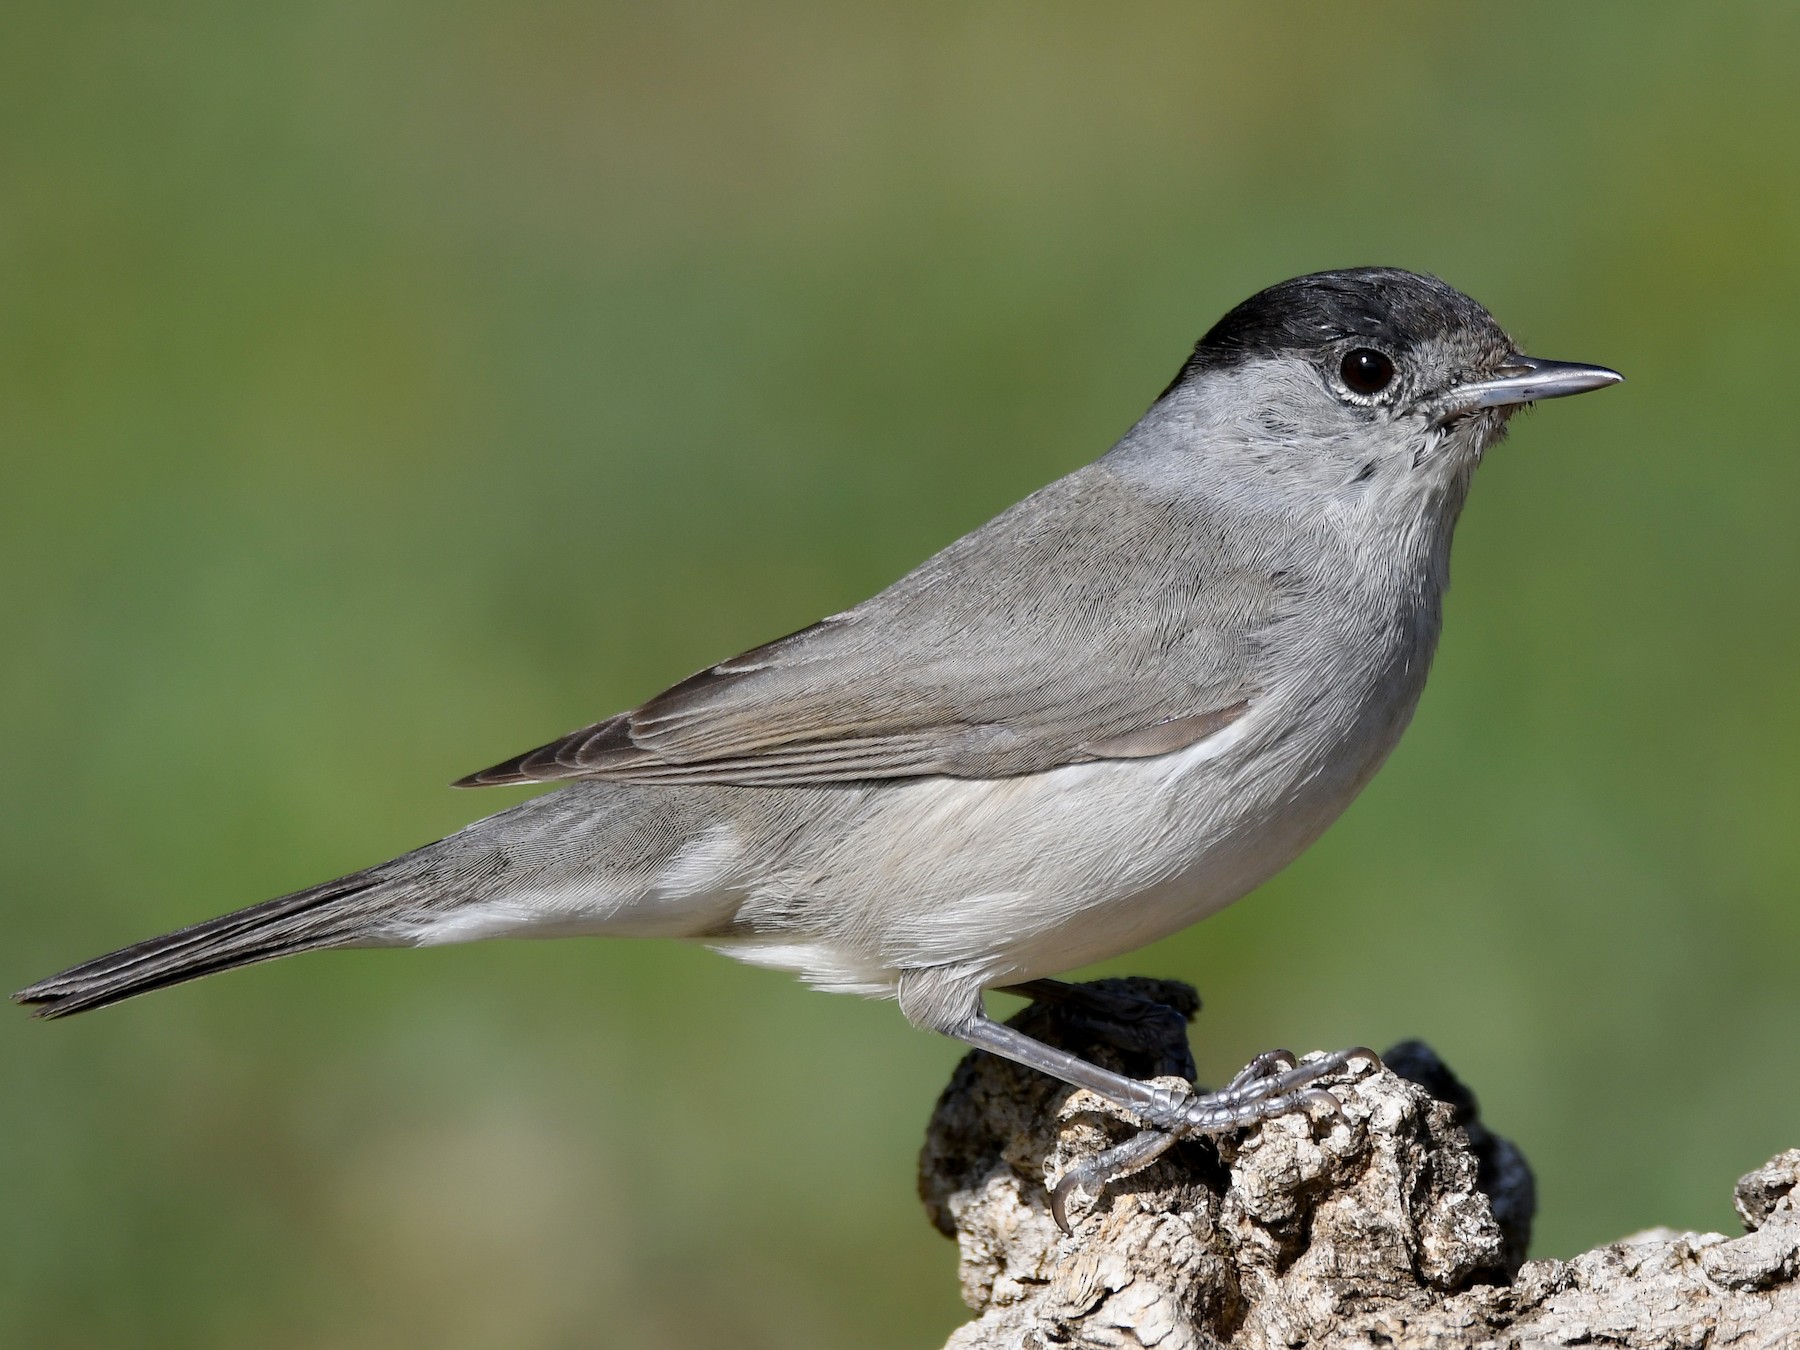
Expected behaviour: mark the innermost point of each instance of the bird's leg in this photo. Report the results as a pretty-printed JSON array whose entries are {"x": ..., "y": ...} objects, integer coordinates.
[
  {"x": 1264, "y": 1089},
  {"x": 1124, "y": 1020},
  {"x": 1271, "y": 1085}
]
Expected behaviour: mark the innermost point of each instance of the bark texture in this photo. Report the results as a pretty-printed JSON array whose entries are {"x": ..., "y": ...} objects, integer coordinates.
[{"x": 1402, "y": 1224}]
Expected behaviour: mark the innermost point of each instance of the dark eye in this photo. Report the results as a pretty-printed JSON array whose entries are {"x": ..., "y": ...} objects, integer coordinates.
[{"x": 1367, "y": 371}]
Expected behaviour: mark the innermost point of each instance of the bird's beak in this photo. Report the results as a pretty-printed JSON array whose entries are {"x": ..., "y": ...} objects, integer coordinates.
[{"x": 1526, "y": 379}]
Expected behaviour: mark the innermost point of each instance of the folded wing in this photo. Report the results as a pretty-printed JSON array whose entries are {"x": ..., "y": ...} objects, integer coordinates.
[{"x": 1087, "y": 622}]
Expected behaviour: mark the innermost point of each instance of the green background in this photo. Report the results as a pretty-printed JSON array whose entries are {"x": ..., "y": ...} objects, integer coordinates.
[{"x": 385, "y": 388}]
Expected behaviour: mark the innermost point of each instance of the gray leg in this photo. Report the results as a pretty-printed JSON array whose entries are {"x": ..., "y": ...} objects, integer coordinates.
[
  {"x": 1124, "y": 1020},
  {"x": 948, "y": 999},
  {"x": 1272, "y": 1084},
  {"x": 1263, "y": 1090}
]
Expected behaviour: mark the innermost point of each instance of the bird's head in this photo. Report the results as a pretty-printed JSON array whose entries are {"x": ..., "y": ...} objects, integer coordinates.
[{"x": 1358, "y": 381}]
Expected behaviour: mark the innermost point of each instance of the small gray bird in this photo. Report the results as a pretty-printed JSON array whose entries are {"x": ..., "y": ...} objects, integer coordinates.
[{"x": 1109, "y": 712}]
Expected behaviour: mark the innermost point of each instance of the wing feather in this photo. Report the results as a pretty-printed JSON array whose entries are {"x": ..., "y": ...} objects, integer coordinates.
[{"x": 1088, "y": 622}]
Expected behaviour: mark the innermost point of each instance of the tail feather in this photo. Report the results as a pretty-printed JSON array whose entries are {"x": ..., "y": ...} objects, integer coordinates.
[{"x": 303, "y": 921}]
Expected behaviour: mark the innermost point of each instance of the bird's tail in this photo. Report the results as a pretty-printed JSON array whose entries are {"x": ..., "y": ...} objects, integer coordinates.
[{"x": 327, "y": 915}]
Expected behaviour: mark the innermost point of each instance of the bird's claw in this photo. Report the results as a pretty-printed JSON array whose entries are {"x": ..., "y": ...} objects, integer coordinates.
[
  {"x": 1268, "y": 1062},
  {"x": 1273, "y": 1084},
  {"x": 1096, "y": 1173}
]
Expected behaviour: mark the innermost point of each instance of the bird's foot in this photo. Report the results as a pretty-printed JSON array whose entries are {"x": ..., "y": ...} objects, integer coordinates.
[{"x": 1273, "y": 1084}]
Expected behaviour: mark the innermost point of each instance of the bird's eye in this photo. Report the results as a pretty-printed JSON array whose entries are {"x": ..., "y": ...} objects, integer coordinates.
[{"x": 1367, "y": 371}]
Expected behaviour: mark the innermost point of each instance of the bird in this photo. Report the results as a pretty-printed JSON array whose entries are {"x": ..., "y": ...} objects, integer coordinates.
[{"x": 1115, "y": 708}]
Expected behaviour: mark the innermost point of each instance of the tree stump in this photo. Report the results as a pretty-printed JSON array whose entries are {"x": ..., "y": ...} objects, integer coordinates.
[{"x": 1403, "y": 1223}]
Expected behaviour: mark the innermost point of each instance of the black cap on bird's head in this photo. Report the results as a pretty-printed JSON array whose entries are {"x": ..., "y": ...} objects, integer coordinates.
[
  {"x": 1362, "y": 323},
  {"x": 1385, "y": 306}
]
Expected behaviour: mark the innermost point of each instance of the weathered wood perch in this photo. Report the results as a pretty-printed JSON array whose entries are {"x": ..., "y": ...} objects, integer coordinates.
[{"x": 1403, "y": 1224}]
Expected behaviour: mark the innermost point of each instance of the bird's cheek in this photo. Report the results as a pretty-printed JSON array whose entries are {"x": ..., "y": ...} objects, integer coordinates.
[{"x": 1459, "y": 442}]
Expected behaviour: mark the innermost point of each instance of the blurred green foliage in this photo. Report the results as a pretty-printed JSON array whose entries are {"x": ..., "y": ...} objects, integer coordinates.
[{"x": 386, "y": 387}]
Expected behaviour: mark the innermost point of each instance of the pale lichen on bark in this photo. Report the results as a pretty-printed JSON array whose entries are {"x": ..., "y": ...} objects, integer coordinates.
[{"x": 1402, "y": 1224}]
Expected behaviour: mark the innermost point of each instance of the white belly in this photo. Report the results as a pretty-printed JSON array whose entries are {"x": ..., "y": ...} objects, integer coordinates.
[{"x": 1028, "y": 877}]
